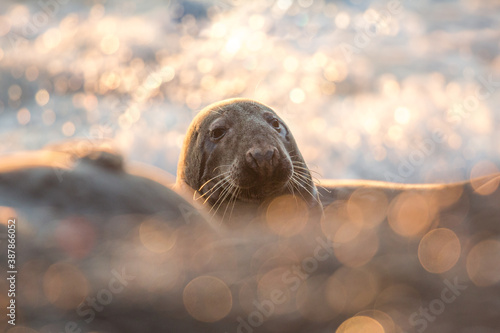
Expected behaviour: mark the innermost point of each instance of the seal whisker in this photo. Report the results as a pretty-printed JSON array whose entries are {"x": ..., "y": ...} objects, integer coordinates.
[
  {"x": 208, "y": 181},
  {"x": 301, "y": 185},
  {"x": 303, "y": 172},
  {"x": 208, "y": 198},
  {"x": 317, "y": 181},
  {"x": 304, "y": 178},
  {"x": 216, "y": 206},
  {"x": 232, "y": 197},
  {"x": 225, "y": 175},
  {"x": 294, "y": 184},
  {"x": 303, "y": 166},
  {"x": 222, "y": 196},
  {"x": 220, "y": 166},
  {"x": 227, "y": 193},
  {"x": 215, "y": 188},
  {"x": 299, "y": 162},
  {"x": 227, "y": 204},
  {"x": 219, "y": 202},
  {"x": 290, "y": 188},
  {"x": 302, "y": 195},
  {"x": 238, "y": 190}
]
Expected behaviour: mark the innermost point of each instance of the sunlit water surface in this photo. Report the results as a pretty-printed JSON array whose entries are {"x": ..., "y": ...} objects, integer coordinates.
[{"x": 406, "y": 93}]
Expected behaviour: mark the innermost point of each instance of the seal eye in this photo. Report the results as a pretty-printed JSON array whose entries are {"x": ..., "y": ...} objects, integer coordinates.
[
  {"x": 218, "y": 133},
  {"x": 275, "y": 123}
]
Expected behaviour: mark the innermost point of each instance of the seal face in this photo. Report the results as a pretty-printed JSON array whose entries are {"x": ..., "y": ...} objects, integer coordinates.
[{"x": 241, "y": 150}]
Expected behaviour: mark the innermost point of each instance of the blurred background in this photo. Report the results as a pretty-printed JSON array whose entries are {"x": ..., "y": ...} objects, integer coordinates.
[{"x": 393, "y": 90}]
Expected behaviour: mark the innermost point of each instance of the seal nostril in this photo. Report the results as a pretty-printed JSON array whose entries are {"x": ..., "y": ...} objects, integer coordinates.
[
  {"x": 263, "y": 161},
  {"x": 251, "y": 160},
  {"x": 268, "y": 156},
  {"x": 275, "y": 157}
]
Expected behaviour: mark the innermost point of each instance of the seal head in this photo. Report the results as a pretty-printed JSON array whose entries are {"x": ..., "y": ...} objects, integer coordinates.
[{"x": 241, "y": 150}]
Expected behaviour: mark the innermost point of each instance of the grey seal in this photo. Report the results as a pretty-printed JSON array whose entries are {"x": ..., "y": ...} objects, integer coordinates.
[{"x": 241, "y": 151}]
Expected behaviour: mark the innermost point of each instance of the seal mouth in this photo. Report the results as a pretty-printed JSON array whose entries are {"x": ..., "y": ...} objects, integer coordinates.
[
  {"x": 230, "y": 186},
  {"x": 256, "y": 193},
  {"x": 242, "y": 184}
]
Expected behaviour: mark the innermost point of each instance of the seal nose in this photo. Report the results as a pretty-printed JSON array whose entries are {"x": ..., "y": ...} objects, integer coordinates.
[{"x": 263, "y": 160}]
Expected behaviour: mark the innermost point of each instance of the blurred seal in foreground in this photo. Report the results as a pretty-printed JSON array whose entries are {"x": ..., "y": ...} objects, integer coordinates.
[
  {"x": 87, "y": 227},
  {"x": 96, "y": 182}
]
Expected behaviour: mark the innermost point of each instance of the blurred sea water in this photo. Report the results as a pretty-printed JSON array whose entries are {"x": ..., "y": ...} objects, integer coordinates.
[{"x": 404, "y": 91}]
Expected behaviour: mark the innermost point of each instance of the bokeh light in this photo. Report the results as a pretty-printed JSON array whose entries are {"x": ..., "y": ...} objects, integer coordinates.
[
  {"x": 482, "y": 263},
  {"x": 439, "y": 250},
  {"x": 7, "y": 213},
  {"x": 360, "y": 324},
  {"x": 207, "y": 298},
  {"x": 410, "y": 214},
  {"x": 382, "y": 318},
  {"x": 157, "y": 236},
  {"x": 23, "y": 116},
  {"x": 341, "y": 224},
  {"x": 351, "y": 289},
  {"x": 65, "y": 286},
  {"x": 287, "y": 215},
  {"x": 371, "y": 204}
]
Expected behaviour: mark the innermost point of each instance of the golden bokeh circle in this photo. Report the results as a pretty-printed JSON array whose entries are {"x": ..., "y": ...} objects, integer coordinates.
[
  {"x": 207, "y": 299},
  {"x": 439, "y": 250},
  {"x": 409, "y": 214},
  {"x": 360, "y": 324},
  {"x": 273, "y": 286},
  {"x": 372, "y": 203},
  {"x": 341, "y": 224},
  {"x": 64, "y": 285},
  {"x": 351, "y": 289},
  {"x": 483, "y": 263},
  {"x": 287, "y": 215},
  {"x": 157, "y": 236},
  {"x": 382, "y": 318}
]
